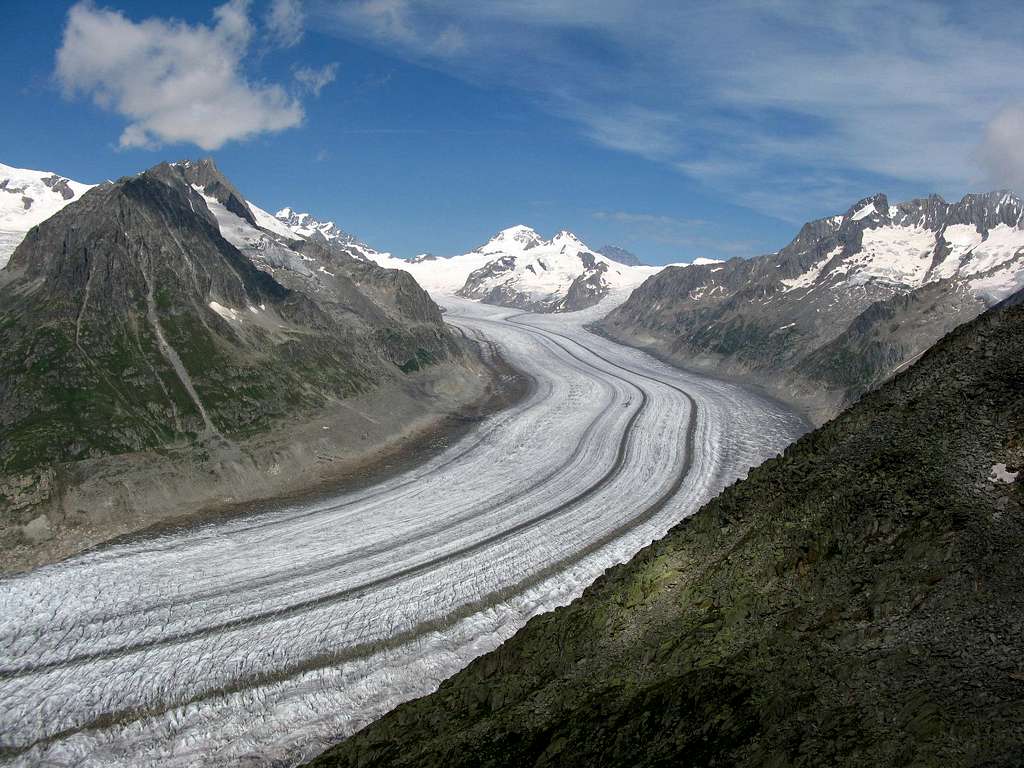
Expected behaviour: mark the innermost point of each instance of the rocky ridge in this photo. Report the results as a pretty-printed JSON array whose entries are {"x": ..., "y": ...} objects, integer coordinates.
[{"x": 851, "y": 300}]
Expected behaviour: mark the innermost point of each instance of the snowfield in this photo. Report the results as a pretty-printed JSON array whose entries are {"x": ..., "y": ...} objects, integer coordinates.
[
  {"x": 262, "y": 640},
  {"x": 28, "y": 198}
]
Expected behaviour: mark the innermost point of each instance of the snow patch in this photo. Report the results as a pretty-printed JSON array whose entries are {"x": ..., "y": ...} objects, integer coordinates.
[
  {"x": 1000, "y": 474},
  {"x": 226, "y": 312},
  {"x": 861, "y": 213},
  {"x": 810, "y": 277}
]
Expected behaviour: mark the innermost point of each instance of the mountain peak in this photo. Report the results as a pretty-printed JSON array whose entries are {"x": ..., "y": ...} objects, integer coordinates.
[
  {"x": 565, "y": 236},
  {"x": 205, "y": 174},
  {"x": 877, "y": 204},
  {"x": 520, "y": 237},
  {"x": 620, "y": 255}
]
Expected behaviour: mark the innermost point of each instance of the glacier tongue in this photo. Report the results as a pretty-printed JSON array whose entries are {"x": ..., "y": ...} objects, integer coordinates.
[{"x": 262, "y": 639}]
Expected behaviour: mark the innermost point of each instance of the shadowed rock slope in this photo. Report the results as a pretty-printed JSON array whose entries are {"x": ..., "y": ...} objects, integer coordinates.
[
  {"x": 127, "y": 321},
  {"x": 856, "y": 601}
]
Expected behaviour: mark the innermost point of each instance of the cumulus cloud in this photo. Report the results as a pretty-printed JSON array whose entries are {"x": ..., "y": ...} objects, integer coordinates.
[
  {"x": 805, "y": 104},
  {"x": 315, "y": 80},
  {"x": 286, "y": 21},
  {"x": 174, "y": 82}
]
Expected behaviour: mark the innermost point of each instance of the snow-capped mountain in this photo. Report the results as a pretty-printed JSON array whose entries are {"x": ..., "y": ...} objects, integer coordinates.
[
  {"x": 305, "y": 225},
  {"x": 977, "y": 241},
  {"x": 522, "y": 269},
  {"x": 851, "y": 300},
  {"x": 28, "y": 198}
]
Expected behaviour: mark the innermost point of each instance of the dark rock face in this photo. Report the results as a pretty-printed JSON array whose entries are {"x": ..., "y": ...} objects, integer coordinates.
[
  {"x": 205, "y": 173},
  {"x": 621, "y": 255},
  {"x": 838, "y": 310},
  {"x": 60, "y": 186},
  {"x": 128, "y": 322},
  {"x": 586, "y": 290},
  {"x": 856, "y": 601}
]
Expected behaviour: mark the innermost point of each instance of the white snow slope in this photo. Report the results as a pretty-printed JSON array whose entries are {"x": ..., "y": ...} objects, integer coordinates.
[
  {"x": 520, "y": 263},
  {"x": 901, "y": 249},
  {"x": 259, "y": 641},
  {"x": 541, "y": 270},
  {"x": 28, "y": 198}
]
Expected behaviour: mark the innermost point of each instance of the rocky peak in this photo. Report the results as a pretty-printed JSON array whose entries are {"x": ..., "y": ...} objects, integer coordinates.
[
  {"x": 620, "y": 255},
  {"x": 519, "y": 238},
  {"x": 306, "y": 225},
  {"x": 567, "y": 241},
  {"x": 206, "y": 175},
  {"x": 987, "y": 211}
]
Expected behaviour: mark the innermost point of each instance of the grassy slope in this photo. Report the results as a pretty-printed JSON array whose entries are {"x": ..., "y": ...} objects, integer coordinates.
[{"x": 858, "y": 600}]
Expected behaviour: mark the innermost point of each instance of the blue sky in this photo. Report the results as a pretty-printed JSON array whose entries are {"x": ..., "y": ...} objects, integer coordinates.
[{"x": 676, "y": 130}]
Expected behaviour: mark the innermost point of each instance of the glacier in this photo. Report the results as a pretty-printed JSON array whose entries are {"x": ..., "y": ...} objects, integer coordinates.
[{"x": 261, "y": 640}]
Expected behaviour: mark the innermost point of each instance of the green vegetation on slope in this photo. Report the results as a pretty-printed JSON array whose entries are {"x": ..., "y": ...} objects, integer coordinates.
[{"x": 857, "y": 601}]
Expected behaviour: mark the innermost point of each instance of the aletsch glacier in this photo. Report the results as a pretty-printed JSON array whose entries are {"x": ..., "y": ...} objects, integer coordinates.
[
  {"x": 262, "y": 640},
  {"x": 258, "y": 641}
]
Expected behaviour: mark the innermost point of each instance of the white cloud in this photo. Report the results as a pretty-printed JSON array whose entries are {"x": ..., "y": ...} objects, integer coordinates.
[
  {"x": 786, "y": 106},
  {"x": 1002, "y": 151},
  {"x": 315, "y": 80},
  {"x": 286, "y": 21},
  {"x": 173, "y": 81},
  {"x": 399, "y": 22}
]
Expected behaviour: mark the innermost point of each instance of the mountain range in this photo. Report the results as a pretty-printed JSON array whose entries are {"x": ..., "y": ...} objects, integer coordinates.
[
  {"x": 516, "y": 267},
  {"x": 850, "y": 301},
  {"x": 163, "y": 311}
]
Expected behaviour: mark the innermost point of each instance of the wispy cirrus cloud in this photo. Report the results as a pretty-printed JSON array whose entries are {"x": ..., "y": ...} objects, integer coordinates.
[
  {"x": 286, "y": 22},
  {"x": 693, "y": 237},
  {"x": 313, "y": 80},
  {"x": 803, "y": 102},
  {"x": 178, "y": 82}
]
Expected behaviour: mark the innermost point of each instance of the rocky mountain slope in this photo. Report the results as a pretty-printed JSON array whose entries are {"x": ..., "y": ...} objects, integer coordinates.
[
  {"x": 621, "y": 255},
  {"x": 157, "y": 311},
  {"x": 28, "y": 198},
  {"x": 558, "y": 275},
  {"x": 847, "y": 303},
  {"x": 856, "y": 601},
  {"x": 305, "y": 225}
]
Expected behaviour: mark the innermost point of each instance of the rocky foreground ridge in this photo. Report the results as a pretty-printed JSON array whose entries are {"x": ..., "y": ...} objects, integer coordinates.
[{"x": 856, "y": 601}]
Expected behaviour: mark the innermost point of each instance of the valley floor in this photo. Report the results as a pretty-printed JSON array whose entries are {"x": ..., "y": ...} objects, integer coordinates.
[{"x": 261, "y": 640}]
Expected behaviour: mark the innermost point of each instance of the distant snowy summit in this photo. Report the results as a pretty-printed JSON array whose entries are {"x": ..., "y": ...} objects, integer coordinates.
[
  {"x": 516, "y": 268},
  {"x": 305, "y": 225},
  {"x": 561, "y": 274},
  {"x": 977, "y": 243},
  {"x": 28, "y": 198}
]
